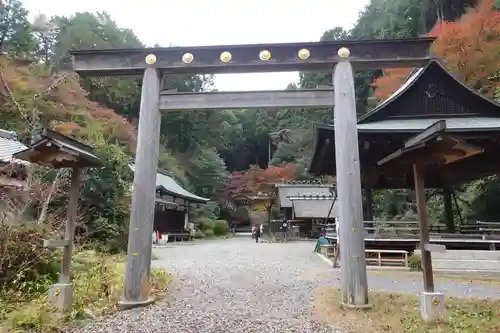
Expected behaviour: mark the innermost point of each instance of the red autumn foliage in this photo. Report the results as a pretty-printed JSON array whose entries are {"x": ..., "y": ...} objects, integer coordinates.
[
  {"x": 257, "y": 180},
  {"x": 391, "y": 81},
  {"x": 65, "y": 107},
  {"x": 469, "y": 47}
]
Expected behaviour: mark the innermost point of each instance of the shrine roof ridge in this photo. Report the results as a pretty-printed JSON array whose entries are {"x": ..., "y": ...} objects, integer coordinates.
[{"x": 412, "y": 79}]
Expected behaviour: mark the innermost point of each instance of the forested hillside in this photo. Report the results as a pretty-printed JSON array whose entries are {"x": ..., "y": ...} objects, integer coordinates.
[{"x": 202, "y": 149}]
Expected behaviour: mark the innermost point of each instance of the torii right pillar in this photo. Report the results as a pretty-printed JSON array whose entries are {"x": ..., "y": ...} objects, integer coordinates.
[{"x": 354, "y": 284}]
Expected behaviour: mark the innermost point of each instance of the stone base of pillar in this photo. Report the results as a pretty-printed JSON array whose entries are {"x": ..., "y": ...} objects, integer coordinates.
[
  {"x": 432, "y": 307},
  {"x": 355, "y": 306},
  {"x": 61, "y": 296},
  {"x": 125, "y": 304}
]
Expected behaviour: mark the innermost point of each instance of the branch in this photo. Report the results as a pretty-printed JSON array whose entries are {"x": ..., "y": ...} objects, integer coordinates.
[
  {"x": 46, "y": 203},
  {"x": 60, "y": 80},
  {"x": 463, "y": 201},
  {"x": 23, "y": 111},
  {"x": 431, "y": 193}
]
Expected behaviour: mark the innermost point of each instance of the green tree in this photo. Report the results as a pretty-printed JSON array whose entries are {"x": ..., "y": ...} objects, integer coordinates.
[
  {"x": 15, "y": 29},
  {"x": 207, "y": 172}
]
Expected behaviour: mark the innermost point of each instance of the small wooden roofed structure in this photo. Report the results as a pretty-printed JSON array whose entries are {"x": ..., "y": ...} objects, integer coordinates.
[
  {"x": 433, "y": 146},
  {"x": 57, "y": 151},
  {"x": 430, "y": 94}
]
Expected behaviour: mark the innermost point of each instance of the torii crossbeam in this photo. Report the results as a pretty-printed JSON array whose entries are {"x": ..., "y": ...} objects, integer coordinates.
[{"x": 153, "y": 63}]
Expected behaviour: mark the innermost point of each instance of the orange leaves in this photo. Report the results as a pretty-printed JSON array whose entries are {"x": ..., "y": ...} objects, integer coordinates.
[
  {"x": 387, "y": 84},
  {"x": 470, "y": 48},
  {"x": 65, "y": 107},
  {"x": 66, "y": 128},
  {"x": 257, "y": 180}
]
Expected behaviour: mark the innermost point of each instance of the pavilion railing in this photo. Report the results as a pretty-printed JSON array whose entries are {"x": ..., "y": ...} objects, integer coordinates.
[{"x": 410, "y": 229}]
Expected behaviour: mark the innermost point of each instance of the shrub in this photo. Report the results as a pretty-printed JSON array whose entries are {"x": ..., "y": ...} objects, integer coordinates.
[
  {"x": 98, "y": 282},
  {"x": 199, "y": 234},
  {"x": 221, "y": 227},
  {"x": 206, "y": 223},
  {"x": 415, "y": 262},
  {"x": 209, "y": 233},
  {"x": 24, "y": 261}
]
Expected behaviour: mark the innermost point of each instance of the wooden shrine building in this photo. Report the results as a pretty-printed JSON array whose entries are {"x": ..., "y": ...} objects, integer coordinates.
[
  {"x": 12, "y": 173},
  {"x": 172, "y": 205},
  {"x": 430, "y": 94},
  {"x": 307, "y": 204},
  {"x": 14, "y": 188}
]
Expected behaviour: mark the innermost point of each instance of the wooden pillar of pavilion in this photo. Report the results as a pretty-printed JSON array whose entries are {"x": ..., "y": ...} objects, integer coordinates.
[{"x": 448, "y": 210}]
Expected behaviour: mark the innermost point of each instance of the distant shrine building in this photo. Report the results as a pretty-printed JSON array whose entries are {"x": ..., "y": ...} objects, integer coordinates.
[
  {"x": 308, "y": 205},
  {"x": 172, "y": 206}
]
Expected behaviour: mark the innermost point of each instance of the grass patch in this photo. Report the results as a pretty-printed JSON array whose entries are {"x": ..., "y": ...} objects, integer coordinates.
[
  {"x": 400, "y": 313},
  {"x": 491, "y": 279},
  {"x": 98, "y": 285}
]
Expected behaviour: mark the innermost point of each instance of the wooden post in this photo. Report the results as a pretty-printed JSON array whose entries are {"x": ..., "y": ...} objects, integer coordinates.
[
  {"x": 419, "y": 174},
  {"x": 368, "y": 205},
  {"x": 368, "y": 209},
  {"x": 61, "y": 294},
  {"x": 136, "y": 289},
  {"x": 352, "y": 260},
  {"x": 448, "y": 210},
  {"x": 69, "y": 234}
]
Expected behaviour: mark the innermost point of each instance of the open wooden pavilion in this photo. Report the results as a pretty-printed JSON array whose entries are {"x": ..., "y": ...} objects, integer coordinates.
[{"x": 429, "y": 95}]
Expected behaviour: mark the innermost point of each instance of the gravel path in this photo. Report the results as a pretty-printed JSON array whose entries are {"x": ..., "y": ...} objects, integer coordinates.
[
  {"x": 232, "y": 286},
  {"x": 238, "y": 286}
]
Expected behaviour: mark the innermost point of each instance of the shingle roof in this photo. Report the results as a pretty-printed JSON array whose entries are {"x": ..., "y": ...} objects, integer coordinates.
[
  {"x": 169, "y": 185},
  {"x": 9, "y": 146}
]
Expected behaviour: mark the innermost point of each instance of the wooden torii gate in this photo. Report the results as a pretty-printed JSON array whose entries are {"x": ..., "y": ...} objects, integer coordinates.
[{"x": 155, "y": 63}]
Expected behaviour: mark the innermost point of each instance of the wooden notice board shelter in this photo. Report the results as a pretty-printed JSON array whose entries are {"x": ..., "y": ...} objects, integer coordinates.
[
  {"x": 56, "y": 151},
  {"x": 426, "y": 150}
]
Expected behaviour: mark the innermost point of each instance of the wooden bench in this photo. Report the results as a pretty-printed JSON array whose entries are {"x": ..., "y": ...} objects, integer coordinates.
[
  {"x": 375, "y": 256},
  {"x": 179, "y": 236}
]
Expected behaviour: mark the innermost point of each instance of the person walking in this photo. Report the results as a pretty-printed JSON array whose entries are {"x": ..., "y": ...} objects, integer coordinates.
[{"x": 257, "y": 234}]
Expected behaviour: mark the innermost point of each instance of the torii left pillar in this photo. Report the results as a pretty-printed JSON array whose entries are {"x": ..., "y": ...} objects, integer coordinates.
[{"x": 140, "y": 242}]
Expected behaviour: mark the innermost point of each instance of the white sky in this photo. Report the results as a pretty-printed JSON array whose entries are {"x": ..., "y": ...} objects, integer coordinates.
[{"x": 217, "y": 22}]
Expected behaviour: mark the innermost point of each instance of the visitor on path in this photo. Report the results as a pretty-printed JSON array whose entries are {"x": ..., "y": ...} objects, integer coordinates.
[
  {"x": 261, "y": 231},
  {"x": 257, "y": 234},
  {"x": 254, "y": 228}
]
